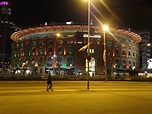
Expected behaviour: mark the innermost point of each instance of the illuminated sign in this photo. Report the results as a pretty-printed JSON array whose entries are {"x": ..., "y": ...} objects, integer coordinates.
[
  {"x": 4, "y": 3},
  {"x": 149, "y": 63},
  {"x": 94, "y": 36}
]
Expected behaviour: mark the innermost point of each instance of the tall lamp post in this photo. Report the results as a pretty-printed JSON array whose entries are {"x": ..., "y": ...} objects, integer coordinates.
[
  {"x": 54, "y": 56},
  {"x": 88, "y": 51},
  {"x": 105, "y": 28}
]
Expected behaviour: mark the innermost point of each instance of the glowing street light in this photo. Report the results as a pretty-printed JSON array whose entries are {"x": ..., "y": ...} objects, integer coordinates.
[
  {"x": 58, "y": 34},
  {"x": 105, "y": 28},
  {"x": 149, "y": 44},
  {"x": 54, "y": 56}
]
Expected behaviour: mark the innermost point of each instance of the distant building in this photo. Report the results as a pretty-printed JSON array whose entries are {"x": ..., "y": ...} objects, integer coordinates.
[
  {"x": 6, "y": 29},
  {"x": 145, "y": 48},
  {"x": 55, "y": 49}
]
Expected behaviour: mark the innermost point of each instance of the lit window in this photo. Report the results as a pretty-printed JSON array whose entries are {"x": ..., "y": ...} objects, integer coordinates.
[
  {"x": 92, "y": 50},
  {"x": 117, "y": 63},
  {"x": 17, "y": 45},
  {"x": 59, "y": 61},
  {"x": 60, "y": 41},
  {"x": 117, "y": 52},
  {"x": 32, "y": 62},
  {"x": 49, "y": 61},
  {"x": 33, "y": 43},
  {"x": 41, "y": 50},
  {"x": 41, "y": 42},
  {"x": 50, "y": 50},
  {"x": 60, "y": 50},
  {"x": 98, "y": 41},
  {"x": 21, "y": 44},
  {"x": 69, "y": 61},
  {"x": 26, "y": 61},
  {"x": 70, "y": 50},
  {"x": 50, "y": 42},
  {"x": 123, "y": 53},
  {"x": 27, "y": 52},
  {"x": 124, "y": 64},
  {"x": 40, "y": 61},
  {"x": 33, "y": 51},
  {"x": 123, "y": 45}
]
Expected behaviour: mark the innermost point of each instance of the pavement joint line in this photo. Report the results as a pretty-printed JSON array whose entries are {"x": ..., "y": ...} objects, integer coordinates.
[{"x": 24, "y": 91}]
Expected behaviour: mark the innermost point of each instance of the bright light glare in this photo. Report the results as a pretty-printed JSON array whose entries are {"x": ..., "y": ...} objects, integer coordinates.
[
  {"x": 149, "y": 63},
  {"x": 54, "y": 55},
  {"x": 105, "y": 27},
  {"x": 58, "y": 34},
  {"x": 148, "y": 44}
]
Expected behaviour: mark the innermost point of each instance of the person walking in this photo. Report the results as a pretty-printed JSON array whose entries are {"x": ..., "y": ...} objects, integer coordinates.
[{"x": 49, "y": 83}]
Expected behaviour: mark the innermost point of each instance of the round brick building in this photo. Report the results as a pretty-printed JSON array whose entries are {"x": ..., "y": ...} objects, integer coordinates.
[{"x": 56, "y": 49}]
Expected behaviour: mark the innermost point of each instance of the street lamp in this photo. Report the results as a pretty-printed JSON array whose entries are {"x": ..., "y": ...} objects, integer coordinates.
[
  {"x": 54, "y": 53},
  {"x": 105, "y": 28}
]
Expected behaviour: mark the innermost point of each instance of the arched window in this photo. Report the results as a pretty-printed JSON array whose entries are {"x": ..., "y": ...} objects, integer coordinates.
[
  {"x": 60, "y": 42},
  {"x": 123, "y": 53},
  {"x": 134, "y": 64},
  {"x": 32, "y": 62},
  {"x": 117, "y": 52},
  {"x": 108, "y": 51},
  {"x": 50, "y": 42},
  {"x": 98, "y": 41},
  {"x": 70, "y": 50},
  {"x": 41, "y": 50},
  {"x": 116, "y": 44},
  {"x": 124, "y": 64},
  {"x": 49, "y": 61},
  {"x": 33, "y": 51},
  {"x": 40, "y": 61},
  {"x": 21, "y": 52},
  {"x": 26, "y": 61},
  {"x": 50, "y": 50},
  {"x": 133, "y": 54},
  {"x": 27, "y": 52},
  {"x": 14, "y": 54},
  {"x": 59, "y": 61},
  {"x": 117, "y": 63},
  {"x": 18, "y": 53},
  {"x": 33, "y": 43},
  {"x": 21, "y": 44},
  {"x": 41, "y": 42},
  {"x": 129, "y": 53},
  {"x": 60, "y": 50},
  {"x": 129, "y": 47},
  {"x": 69, "y": 61}
]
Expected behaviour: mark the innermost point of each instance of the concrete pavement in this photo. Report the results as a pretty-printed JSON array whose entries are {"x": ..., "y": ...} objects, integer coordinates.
[{"x": 73, "y": 98}]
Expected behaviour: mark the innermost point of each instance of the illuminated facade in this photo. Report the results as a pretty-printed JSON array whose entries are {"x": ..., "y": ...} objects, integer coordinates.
[{"x": 40, "y": 50}]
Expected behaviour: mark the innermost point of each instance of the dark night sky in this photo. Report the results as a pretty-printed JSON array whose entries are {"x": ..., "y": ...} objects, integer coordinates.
[{"x": 136, "y": 14}]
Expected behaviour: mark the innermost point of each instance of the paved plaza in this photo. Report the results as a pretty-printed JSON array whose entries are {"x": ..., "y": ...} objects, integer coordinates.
[{"x": 71, "y": 97}]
